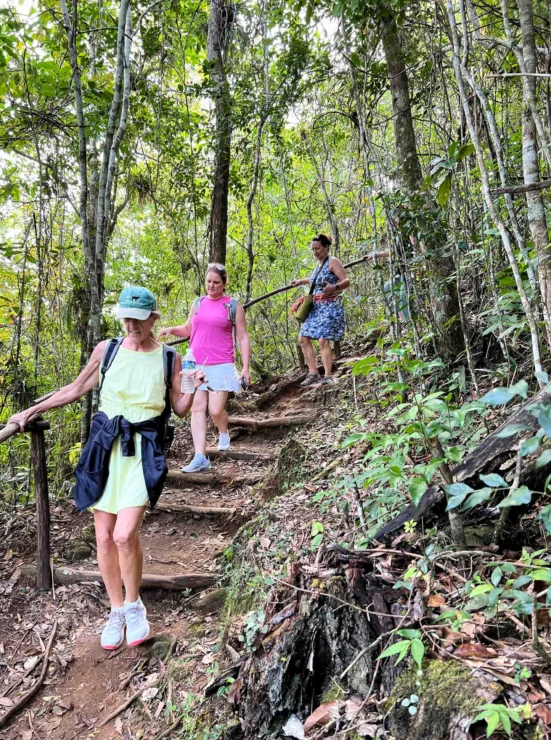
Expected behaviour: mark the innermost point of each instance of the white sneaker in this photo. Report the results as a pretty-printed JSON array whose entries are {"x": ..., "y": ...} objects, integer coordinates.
[
  {"x": 112, "y": 635},
  {"x": 137, "y": 626},
  {"x": 198, "y": 464},
  {"x": 224, "y": 441}
]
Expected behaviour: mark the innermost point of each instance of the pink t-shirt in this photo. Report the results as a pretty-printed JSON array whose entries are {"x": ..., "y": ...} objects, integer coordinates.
[{"x": 212, "y": 332}]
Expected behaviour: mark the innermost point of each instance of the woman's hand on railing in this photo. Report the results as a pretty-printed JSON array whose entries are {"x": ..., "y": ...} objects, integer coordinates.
[
  {"x": 164, "y": 333},
  {"x": 23, "y": 418}
]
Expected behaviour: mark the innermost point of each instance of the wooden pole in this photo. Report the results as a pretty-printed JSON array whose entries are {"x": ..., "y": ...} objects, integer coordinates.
[{"x": 42, "y": 501}]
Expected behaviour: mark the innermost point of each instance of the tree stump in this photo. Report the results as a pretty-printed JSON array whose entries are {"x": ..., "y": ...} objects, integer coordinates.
[{"x": 317, "y": 628}]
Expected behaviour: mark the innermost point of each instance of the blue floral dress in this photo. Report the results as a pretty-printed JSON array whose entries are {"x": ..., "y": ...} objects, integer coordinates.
[{"x": 326, "y": 319}]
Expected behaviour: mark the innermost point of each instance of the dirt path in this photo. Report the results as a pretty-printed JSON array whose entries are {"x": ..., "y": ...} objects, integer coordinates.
[{"x": 85, "y": 684}]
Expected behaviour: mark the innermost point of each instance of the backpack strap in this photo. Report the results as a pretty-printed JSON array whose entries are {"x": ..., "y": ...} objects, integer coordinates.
[
  {"x": 196, "y": 303},
  {"x": 169, "y": 360},
  {"x": 111, "y": 349},
  {"x": 232, "y": 311}
]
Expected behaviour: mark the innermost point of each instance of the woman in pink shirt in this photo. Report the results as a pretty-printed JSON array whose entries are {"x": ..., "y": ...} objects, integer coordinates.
[{"x": 210, "y": 330}]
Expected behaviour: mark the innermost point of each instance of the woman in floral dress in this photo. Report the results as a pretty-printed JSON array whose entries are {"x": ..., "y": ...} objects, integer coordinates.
[{"x": 325, "y": 322}]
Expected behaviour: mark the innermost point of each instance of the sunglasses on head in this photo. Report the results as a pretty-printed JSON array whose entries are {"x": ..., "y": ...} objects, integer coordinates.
[{"x": 216, "y": 266}]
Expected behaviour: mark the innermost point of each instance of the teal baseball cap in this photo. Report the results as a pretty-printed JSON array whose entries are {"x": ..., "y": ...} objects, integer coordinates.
[{"x": 136, "y": 302}]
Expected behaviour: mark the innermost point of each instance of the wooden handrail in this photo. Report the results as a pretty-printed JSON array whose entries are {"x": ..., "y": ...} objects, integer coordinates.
[
  {"x": 8, "y": 430},
  {"x": 288, "y": 287}
]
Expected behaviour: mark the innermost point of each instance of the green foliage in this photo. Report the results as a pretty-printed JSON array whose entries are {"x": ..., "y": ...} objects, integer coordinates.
[
  {"x": 442, "y": 168},
  {"x": 498, "y": 716},
  {"x": 411, "y": 645},
  {"x": 420, "y": 419}
]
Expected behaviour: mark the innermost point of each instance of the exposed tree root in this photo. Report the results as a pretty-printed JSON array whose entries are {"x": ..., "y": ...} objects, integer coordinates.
[{"x": 25, "y": 699}]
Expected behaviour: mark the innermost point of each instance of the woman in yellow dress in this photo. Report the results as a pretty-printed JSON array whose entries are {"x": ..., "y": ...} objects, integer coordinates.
[{"x": 122, "y": 467}]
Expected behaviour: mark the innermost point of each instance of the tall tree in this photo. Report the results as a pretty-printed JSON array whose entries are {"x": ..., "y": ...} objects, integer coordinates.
[
  {"x": 404, "y": 133},
  {"x": 530, "y": 161},
  {"x": 439, "y": 265},
  {"x": 97, "y": 211},
  {"x": 221, "y": 19}
]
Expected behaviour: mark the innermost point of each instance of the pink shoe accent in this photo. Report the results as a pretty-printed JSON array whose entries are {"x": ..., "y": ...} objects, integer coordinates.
[{"x": 139, "y": 642}]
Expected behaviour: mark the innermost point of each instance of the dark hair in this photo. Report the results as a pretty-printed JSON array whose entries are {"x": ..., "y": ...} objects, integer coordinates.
[
  {"x": 219, "y": 270},
  {"x": 325, "y": 240}
]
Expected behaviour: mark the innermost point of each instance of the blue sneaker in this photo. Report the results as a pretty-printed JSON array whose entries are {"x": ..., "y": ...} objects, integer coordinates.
[{"x": 198, "y": 464}]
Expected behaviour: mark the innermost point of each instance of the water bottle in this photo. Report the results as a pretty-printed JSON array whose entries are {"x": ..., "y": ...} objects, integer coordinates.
[{"x": 188, "y": 366}]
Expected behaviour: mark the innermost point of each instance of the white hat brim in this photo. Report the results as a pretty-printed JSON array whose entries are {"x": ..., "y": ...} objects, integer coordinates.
[{"x": 133, "y": 313}]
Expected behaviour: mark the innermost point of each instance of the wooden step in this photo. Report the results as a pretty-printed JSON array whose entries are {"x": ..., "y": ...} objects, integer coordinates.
[
  {"x": 273, "y": 421},
  {"x": 238, "y": 455},
  {"x": 179, "y": 507},
  {"x": 212, "y": 478},
  {"x": 66, "y": 576}
]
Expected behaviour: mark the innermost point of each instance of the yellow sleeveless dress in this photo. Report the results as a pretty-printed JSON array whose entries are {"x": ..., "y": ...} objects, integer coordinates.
[{"x": 134, "y": 387}]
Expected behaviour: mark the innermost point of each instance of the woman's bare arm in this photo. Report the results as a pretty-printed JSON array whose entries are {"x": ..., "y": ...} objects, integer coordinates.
[
  {"x": 338, "y": 270},
  {"x": 183, "y": 331},
  {"x": 86, "y": 380},
  {"x": 383, "y": 255}
]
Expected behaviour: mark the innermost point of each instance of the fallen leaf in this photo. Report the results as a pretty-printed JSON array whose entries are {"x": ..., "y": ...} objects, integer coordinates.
[
  {"x": 150, "y": 693},
  {"x": 543, "y": 712},
  {"x": 119, "y": 725},
  {"x": 52, "y": 724},
  {"x": 294, "y": 728},
  {"x": 474, "y": 650},
  {"x": 322, "y": 715},
  {"x": 31, "y": 662},
  {"x": 436, "y": 600},
  {"x": 234, "y": 655},
  {"x": 367, "y": 730},
  {"x": 545, "y": 684},
  {"x": 5, "y": 702},
  {"x": 234, "y": 694},
  {"x": 353, "y": 707}
]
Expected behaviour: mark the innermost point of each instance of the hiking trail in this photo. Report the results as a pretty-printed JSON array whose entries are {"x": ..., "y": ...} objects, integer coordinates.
[{"x": 194, "y": 522}]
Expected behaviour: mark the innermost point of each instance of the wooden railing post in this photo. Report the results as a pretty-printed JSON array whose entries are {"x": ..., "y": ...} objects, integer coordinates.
[{"x": 42, "y": 501}]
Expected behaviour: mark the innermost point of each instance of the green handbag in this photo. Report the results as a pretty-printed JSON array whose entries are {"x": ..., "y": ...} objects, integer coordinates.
[{"x": 301, "y": 313}]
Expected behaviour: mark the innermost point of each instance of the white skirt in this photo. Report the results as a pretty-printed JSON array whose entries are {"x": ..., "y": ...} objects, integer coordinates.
[{"x": 222, "y": 377}]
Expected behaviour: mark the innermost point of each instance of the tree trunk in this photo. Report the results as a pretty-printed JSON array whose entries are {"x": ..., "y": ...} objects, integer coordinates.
[
  {"x": 96, "y": 211},
  {"x": 404, "y": 135},
  {"x": 530, "y": 163},
  {"x": 443, "y": 294},
  {"x": 219, "y": 27}
]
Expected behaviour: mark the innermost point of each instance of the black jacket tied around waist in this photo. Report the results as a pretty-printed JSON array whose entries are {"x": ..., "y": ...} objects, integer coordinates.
[{"x": 92, "y": 470}]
